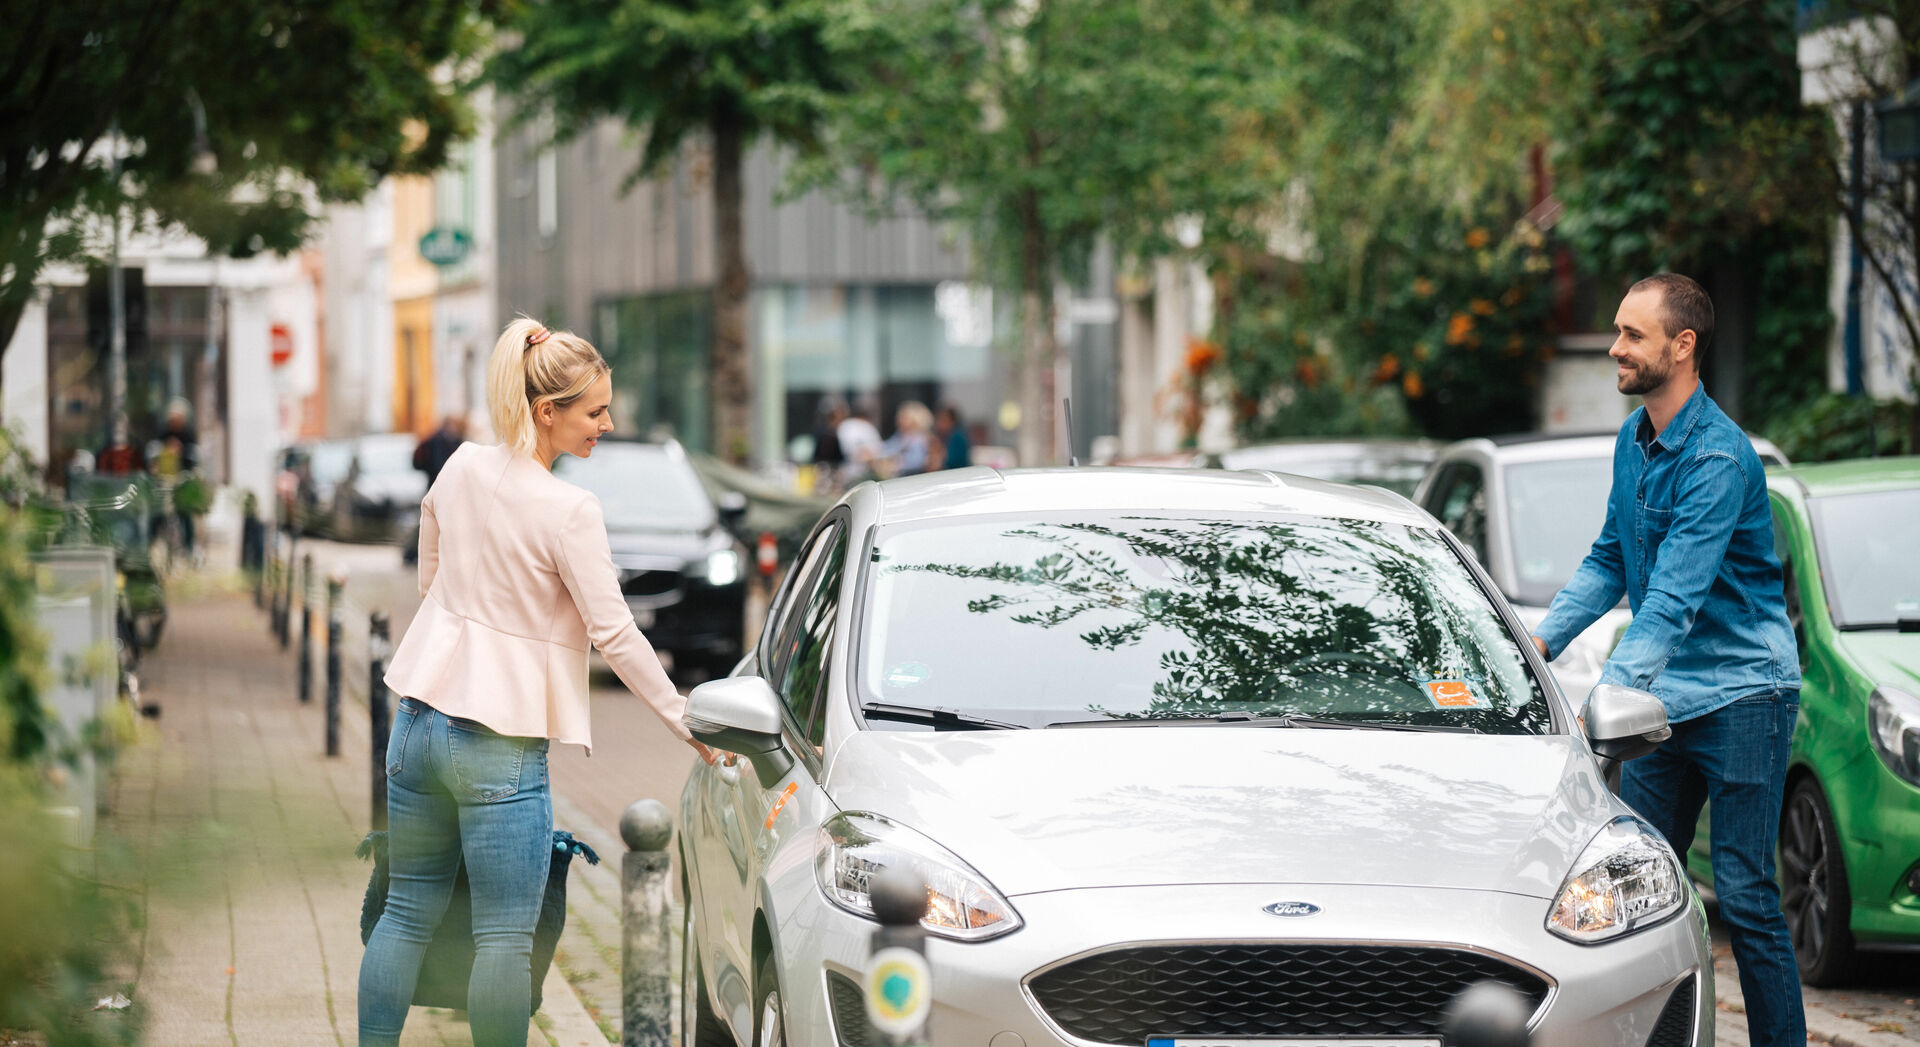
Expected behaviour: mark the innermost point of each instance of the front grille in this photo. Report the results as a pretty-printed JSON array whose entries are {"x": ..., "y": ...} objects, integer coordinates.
[
  {"x": 1266, "y": 989},
  {"x": 649, "y": 583},
  {"x": 849, "y": 1012},
  {"x": 1675, "y": 1027}
]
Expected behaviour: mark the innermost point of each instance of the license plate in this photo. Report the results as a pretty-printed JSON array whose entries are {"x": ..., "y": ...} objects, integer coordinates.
[{"x": 1325, "y": 1041}]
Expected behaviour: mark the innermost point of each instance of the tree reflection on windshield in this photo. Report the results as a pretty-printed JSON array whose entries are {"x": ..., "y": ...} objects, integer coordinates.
[{"x": 1198, "y": 617}]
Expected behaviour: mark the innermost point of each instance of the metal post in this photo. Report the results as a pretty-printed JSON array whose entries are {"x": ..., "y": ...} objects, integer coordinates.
[
  {"x": 1852, "y": 336},
  {"x": 899, "y": 983},
  {"x": 646, "y": 939},
  {"x": 306, "y": 629},
  {"x": 377, "y": 646},
  {"x": 335, "y": 582}
]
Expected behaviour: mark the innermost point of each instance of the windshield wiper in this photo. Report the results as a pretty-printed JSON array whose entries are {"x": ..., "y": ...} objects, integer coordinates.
[
  {"x": 941, "y": 719},
  {"x": 1239, "y": 719}
]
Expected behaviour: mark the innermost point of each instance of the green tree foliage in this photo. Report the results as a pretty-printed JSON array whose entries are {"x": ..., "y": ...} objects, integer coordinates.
[
  {"x": 1044, "y": 125},
  {"x": 299, "y": 103},
  {"x": 1697, "y": 156},
  {"x": 725, "y": 71},
  {"x": 1386, "y": 284}
]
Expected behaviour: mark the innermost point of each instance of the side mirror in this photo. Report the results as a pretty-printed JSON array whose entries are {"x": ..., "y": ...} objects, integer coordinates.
[
  {"x": 741, "y": 714},
  {"x": 1624, "y": 723},
  {"x": 733, "y": 508}
]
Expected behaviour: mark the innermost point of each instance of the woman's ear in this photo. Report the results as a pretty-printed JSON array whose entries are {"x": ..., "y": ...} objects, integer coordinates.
[{"x": 543, "y": 413}]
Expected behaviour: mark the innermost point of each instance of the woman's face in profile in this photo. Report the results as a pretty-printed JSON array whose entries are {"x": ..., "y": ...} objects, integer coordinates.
[{"x": 580, "y": 424}]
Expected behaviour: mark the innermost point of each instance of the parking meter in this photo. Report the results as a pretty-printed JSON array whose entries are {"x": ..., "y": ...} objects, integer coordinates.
[{"x": 899, "y": 984}]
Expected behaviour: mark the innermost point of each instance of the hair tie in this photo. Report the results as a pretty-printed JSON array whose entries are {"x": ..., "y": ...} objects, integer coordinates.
[{"x": 538, "y": 336}]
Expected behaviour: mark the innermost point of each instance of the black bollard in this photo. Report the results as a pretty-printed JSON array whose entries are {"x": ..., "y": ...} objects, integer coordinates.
[
  {"x": 898, "y": 983},
  {"x": 305, "y": 670},
  {"x": 377, "y": 644},
  {"x": 1486, "y": 1014},
  {"x": 334, "y": 584}
]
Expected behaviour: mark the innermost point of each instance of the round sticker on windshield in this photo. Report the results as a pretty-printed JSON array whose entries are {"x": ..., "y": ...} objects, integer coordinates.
[
  {"x": 907, "y": 674},
  {"x": 1454, "y": 694}
]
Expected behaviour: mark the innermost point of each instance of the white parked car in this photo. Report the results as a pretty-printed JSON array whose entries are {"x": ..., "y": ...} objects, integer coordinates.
[{"x": 1184, "y": 757}]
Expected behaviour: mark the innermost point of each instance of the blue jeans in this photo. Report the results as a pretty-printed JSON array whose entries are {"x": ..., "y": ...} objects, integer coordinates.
[
  {"x": 456, "y": 789},
  {"x": 1735, "y": 757}
]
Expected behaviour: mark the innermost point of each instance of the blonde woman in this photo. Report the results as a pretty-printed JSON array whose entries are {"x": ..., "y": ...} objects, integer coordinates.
[{"x": 517, "y": 580}]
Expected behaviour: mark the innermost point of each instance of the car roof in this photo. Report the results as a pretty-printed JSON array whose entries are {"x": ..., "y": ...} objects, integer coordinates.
[
  {"x": 980, "y": 491},
  {"x": 1847, "y": 477},
  {"x": 1543, "y": 447}
]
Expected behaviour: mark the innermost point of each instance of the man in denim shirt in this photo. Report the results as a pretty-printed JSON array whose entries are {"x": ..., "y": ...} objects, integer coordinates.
[{"x": 1689, "y": 540}]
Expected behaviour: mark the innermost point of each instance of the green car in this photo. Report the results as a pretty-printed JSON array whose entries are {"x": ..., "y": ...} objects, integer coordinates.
[{"x": 1849, "y": 861}]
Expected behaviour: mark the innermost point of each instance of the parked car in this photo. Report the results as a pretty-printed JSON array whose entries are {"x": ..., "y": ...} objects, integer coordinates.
[
  {"x": 683, "y": 572},
  {"x": 1529, "y": 507},
  {"x": 378, "y": 500},
  {"x": 1178, "y": 755},
  {"x": 1394, "y": 464},
  {"x": 312, "y": 469},
  {"x": 1849, "y": 863}
]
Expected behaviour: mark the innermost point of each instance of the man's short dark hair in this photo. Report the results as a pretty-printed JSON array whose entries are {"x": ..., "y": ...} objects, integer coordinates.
[{"x": 1684, "y": 306}]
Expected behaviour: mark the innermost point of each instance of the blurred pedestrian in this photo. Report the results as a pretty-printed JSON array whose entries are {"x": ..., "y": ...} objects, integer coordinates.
[
  {"x": 859, "y": 445},
  {"x": 1688, "y": 539},
  {"x": 432, "y": 453},
  {"x": 827, "y": 455},
  {"x": 518, "y": 579},
  {"x": 910, "y": 450},
  {"x": 956, "y": 447},
  {"x": 430, "y": 456}
]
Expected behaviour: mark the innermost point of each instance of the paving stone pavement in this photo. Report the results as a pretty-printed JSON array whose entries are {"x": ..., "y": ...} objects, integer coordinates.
[{"x": 243, "y": 833}]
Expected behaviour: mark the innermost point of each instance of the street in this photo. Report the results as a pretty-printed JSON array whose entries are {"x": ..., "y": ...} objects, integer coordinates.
[{"x": 633, "y": 758}]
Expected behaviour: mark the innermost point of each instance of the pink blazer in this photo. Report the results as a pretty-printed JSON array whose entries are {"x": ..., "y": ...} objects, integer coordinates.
[{"x": 518, "y": 579}]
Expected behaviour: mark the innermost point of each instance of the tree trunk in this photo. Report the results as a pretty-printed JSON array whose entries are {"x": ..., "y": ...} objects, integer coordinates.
[
  {"x": 732, "y": 403},
  {"x": 1038, "y": 351}
]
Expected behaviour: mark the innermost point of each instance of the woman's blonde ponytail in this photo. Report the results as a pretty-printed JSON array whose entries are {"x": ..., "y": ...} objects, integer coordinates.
[{"x": 532, "y": 365}]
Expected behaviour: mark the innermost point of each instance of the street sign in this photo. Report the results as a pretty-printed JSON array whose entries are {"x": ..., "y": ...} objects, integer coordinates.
[
  {"x": 282, "y": 344},
  {"x": 446, "y": 245}
]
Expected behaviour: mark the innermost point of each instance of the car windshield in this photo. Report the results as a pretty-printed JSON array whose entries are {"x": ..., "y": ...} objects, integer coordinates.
[
  {"x": 1866, "y": 550},
  {"x": 641, "y": 487},
  {"x": 1045, "y": 620},
  {"x": 1555, "y": 510},
  {"x": 381, "y": 455},
  {"x": 328, "y": 462}
]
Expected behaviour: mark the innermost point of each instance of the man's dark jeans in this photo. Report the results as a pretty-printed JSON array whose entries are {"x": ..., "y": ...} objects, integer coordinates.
[{"x": 1735, "y": 757}]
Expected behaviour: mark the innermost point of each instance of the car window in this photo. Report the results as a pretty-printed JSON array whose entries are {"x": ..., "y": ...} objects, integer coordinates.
[
  {"x": 1113, "y": 616},
  {"x": 791, "y": 599},
  {"x": 803, "y": 662},
  {"x": 1555, "y": 510},
  {"x": 1460, "y": 500},
  {"x": 1866, "y": 557}
]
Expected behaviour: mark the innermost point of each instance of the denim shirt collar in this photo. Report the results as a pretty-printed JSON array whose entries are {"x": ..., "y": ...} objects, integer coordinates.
[{"x": 1674, "y": 436}]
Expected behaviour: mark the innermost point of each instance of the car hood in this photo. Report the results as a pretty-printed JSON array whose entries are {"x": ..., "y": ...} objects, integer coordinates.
[
  {"x": 1886, "y": 657},
  {"x": 681, "y": 546},
  {"x": 1046, "y": 810},
  {"x": 401, "y": 488}
]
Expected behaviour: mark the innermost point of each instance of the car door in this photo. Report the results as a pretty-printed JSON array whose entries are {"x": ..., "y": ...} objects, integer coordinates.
[
  {"x": 1458, "y": 499},
  {"x": 748, "y": 815}
]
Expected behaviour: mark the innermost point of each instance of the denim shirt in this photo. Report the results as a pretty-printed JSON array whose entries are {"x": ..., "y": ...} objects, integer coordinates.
[{"x": 1689, "y": 540}]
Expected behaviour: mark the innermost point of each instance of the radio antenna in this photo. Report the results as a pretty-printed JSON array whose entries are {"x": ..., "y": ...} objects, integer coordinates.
[{"x": 1067, "y": 402}]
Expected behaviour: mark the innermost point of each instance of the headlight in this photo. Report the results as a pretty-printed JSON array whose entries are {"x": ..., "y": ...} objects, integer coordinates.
[
  {"x": 961, "y": 903},
  {"x": 723, "y": 567},
  {"x": 1625, "y": 880},
  {"x": 1893, "y": 722}
]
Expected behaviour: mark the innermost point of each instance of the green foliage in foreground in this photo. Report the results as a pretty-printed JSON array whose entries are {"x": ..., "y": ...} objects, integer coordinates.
[{"x": 59, "y": 929}]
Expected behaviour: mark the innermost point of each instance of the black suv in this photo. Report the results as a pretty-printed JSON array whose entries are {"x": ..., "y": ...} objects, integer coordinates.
[{"x": 682, "y": 570}]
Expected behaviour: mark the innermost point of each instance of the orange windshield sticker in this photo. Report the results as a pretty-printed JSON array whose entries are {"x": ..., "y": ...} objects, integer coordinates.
[
  {"x": 1453, "y": 694},
  {"x": 781, "y": 804}
]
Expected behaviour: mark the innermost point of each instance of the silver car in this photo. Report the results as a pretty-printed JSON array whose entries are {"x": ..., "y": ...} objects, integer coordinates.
[
  {"x": 1529, "y": 507},
  {"x": 1183, "y": 757}
]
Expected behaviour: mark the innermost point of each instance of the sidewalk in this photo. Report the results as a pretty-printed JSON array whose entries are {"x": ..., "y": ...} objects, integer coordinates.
[{"x": 245, "y": 833}]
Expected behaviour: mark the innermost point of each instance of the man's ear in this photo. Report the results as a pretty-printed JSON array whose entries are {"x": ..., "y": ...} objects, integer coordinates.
[{"x": 1683, "y": 346}]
